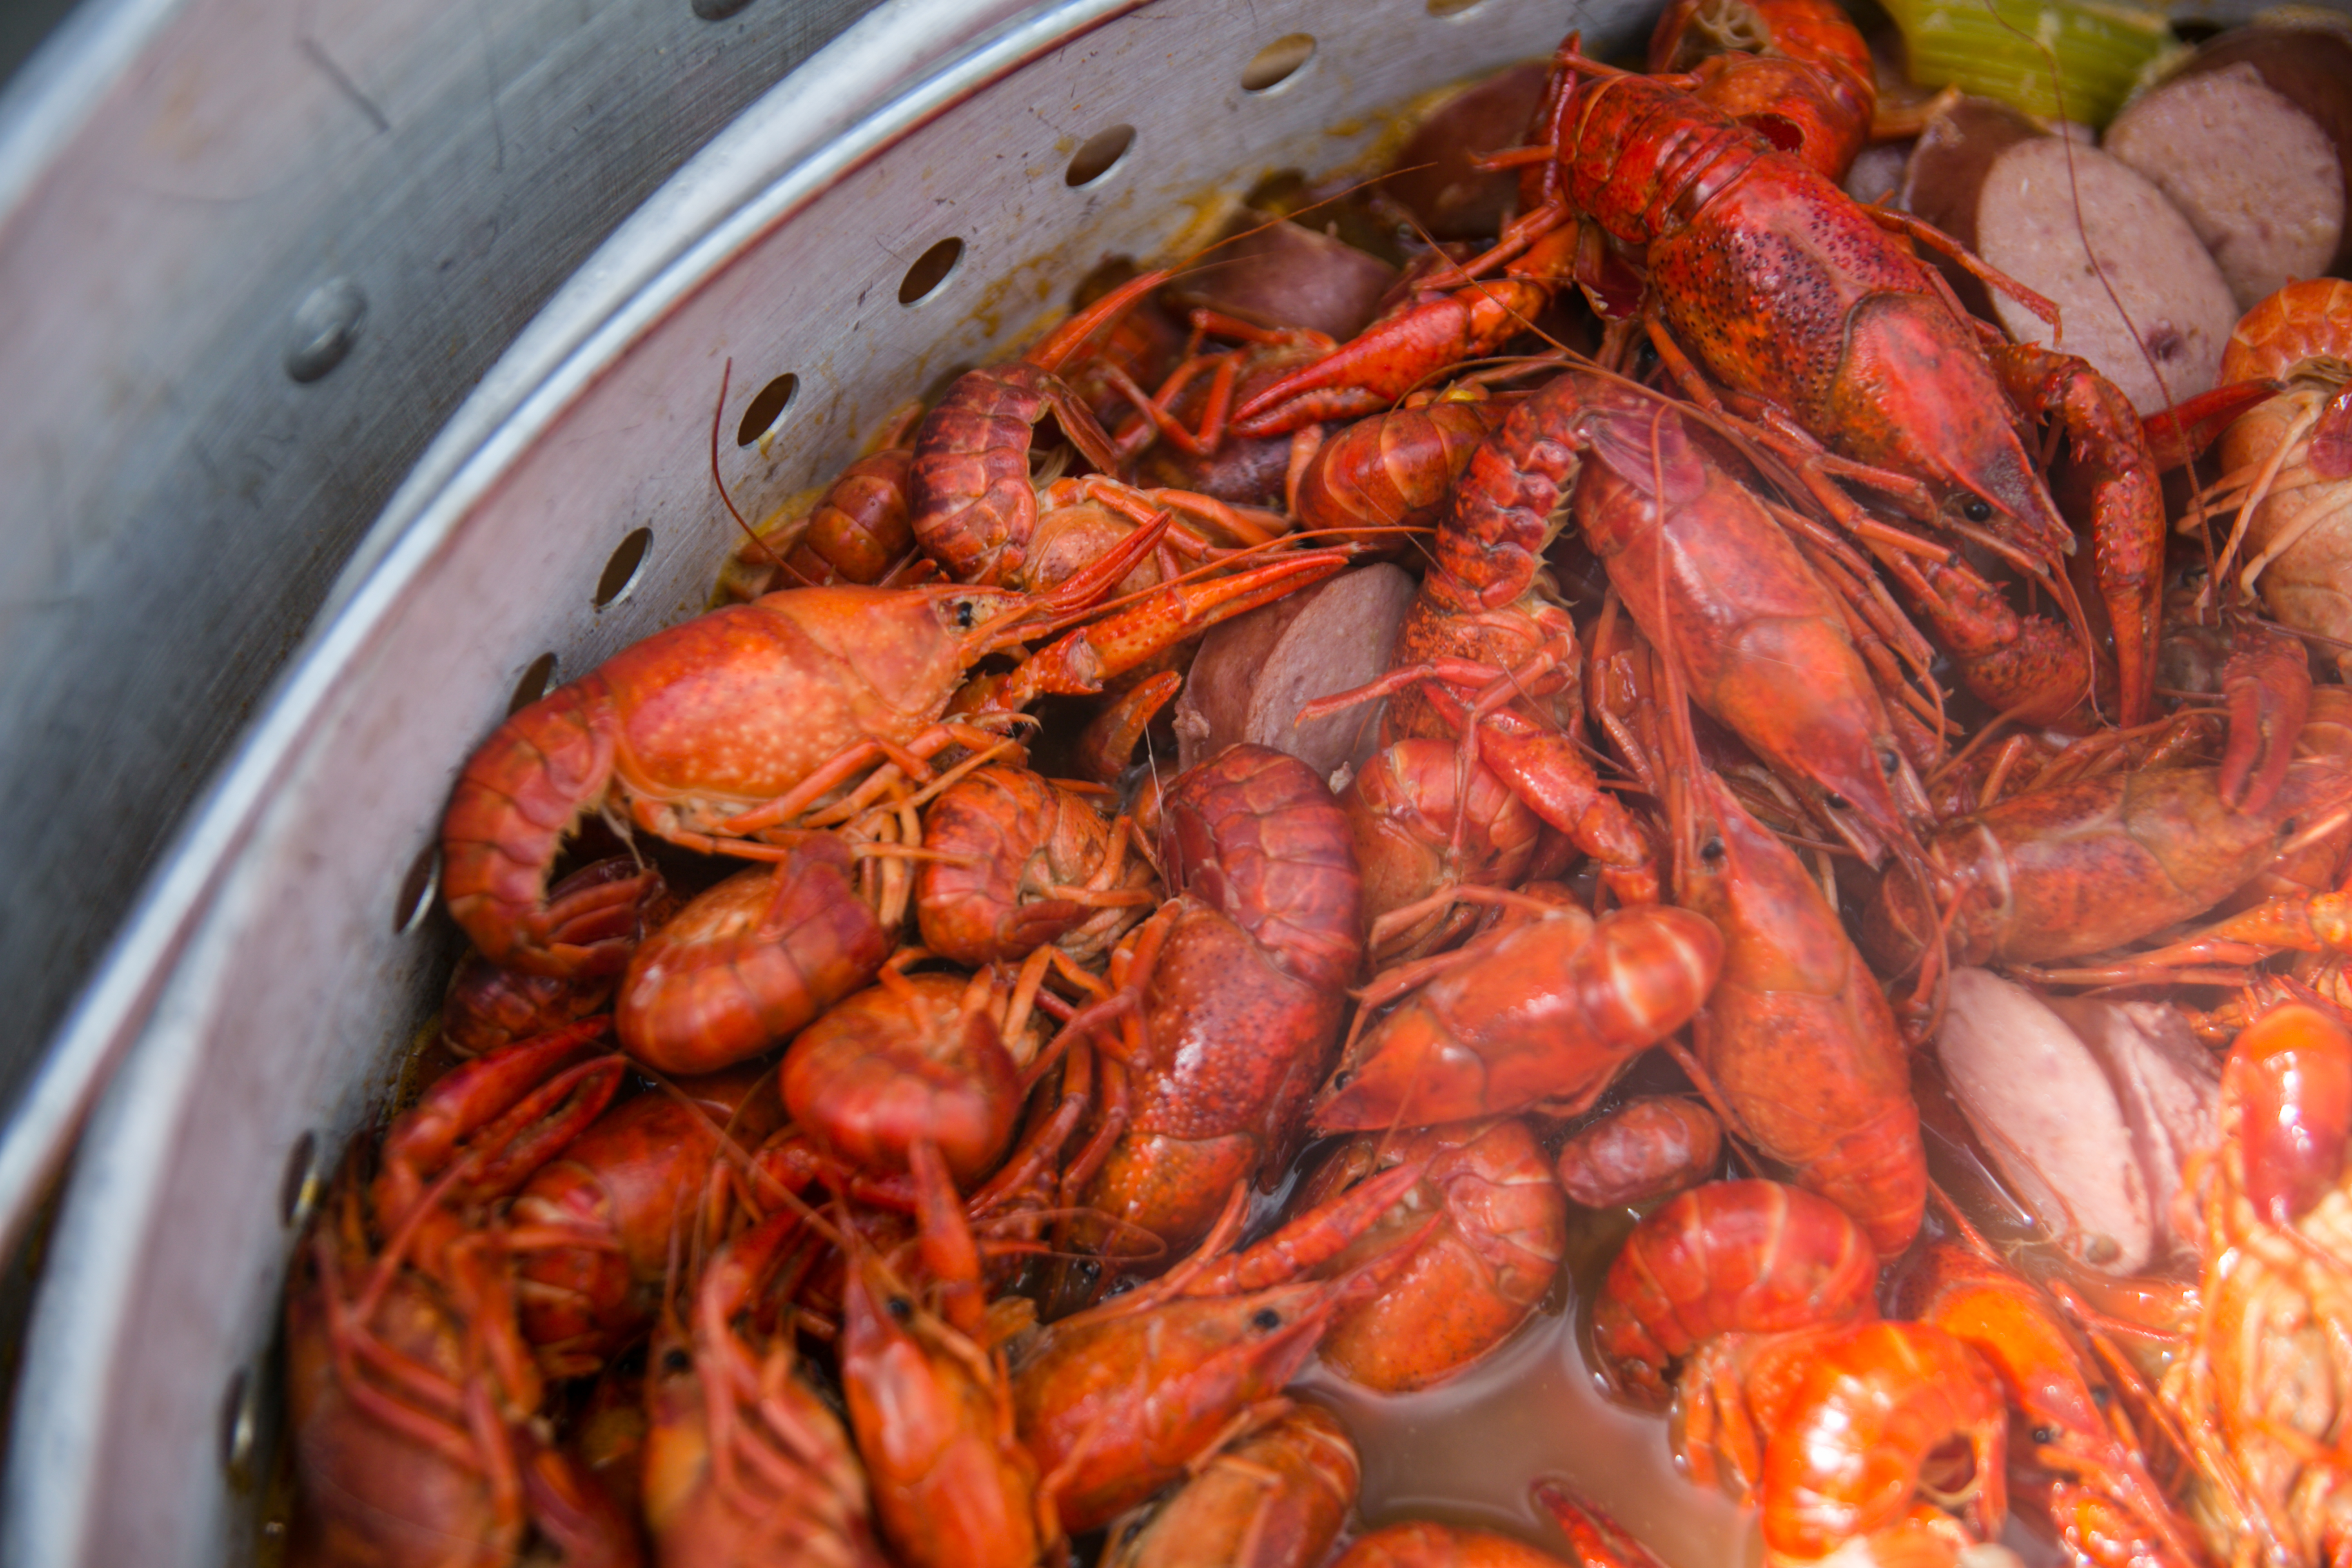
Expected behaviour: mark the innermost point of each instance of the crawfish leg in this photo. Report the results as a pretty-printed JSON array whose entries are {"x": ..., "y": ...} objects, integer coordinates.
[
  {"x": 2115, "y": 475},
  {"x": 2267, "y": 684}
]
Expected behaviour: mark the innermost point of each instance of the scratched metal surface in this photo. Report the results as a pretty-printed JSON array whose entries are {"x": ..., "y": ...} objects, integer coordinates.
[
  {"x": 180, "y": 182},
  {"x": 146, "y": 1412}
]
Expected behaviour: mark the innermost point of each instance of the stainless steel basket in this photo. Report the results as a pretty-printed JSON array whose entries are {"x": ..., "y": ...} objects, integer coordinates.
[{"x": 566, "y": 509}]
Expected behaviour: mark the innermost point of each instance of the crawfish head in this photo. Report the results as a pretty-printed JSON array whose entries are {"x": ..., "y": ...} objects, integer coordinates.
[
  {"x": 1120, "y": 1402},
  {"x": 1914, "y": 394}
]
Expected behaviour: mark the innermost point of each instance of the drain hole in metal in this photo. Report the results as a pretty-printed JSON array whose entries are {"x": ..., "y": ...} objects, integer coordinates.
[
  {"x": 417, "y": 890},
  {"x": 718, "y": 10},
  {"x": 237, "y": 1422},
  {"x": 1278, "y": 62},
  {"x": 1454, "y": 7},
  {"x": 764, "y": 410},
  {"x": 533, "y": 685},
  {"x": 1101, "y": 154},
  {"x": 931, "y": 269},
  {"x": 298, "y": 1186},
  {"x": 621, "y": 571}
]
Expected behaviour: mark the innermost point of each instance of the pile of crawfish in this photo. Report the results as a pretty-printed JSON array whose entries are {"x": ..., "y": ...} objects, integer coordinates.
[{"x": 1797, "y": 646}]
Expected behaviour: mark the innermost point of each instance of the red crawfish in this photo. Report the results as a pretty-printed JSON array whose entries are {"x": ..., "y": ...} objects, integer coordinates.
[
  {"x": 1841, "y": 1436},
  {"x": 412, "y": 1395},
  {"x": 750, "y": 962},
  {"x": 1374, "y": 478},
  {"x": 916, "y": 1059},
  {"x": 1652, "y": 1146},
  {"x": 595, "y": 1226},
  {"x": 930, "y": 1402},
  {"x": 1119, "y": 1400},
  {"x": 1796, "y": 1037},
  {"x": 1235, "y": 990},
  {"x": 713, "y": 730},
  {"x": 744, "y": 1463},
  {"x": 2107, "y": 1509},
  {"x": 2260, "y": 1389},
  {"x": 858, "y": 531},
  {"x": 1275, "y": 1498},
  {"x": 1483, "y": 1270},
  {"x": 2084, "y": 866},
  {"x": 1418, "y": 825},
  {"x": 1745, "y": 1256},
  {"x": 1547, "y": 1013},
  {"x": 1024, "y": 862},
  {"x": 1717, "y": 587},
  {"x": 1797, "y": 298},
  {"x": 488, "y": 1004}
]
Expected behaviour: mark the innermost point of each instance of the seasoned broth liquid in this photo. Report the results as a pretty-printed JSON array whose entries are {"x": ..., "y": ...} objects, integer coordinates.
[{"x": 1467, "y": 1451}]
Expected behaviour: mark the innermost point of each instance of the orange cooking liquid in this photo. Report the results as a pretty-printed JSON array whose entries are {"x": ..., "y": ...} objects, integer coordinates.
[{"x": 1468, "y": 1450}]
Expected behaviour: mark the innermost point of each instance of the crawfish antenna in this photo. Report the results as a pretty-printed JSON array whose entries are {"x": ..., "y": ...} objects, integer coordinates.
[{"x": 718, "y": 413}]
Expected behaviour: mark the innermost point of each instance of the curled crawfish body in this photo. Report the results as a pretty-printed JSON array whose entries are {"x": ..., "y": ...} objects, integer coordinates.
[
  {"x": 1727, "y": 1258},
  {"x": 1849, "y": 1421},
  {"x": 2289, "y": 460},
  {"x": 2108, "y": 1510},
  {"x": 489, "y": 1005},
  {"x": 1241, "y": 979},
  {"x": 915, "y": 1058},
  {"x": 1025, "y": 862},
  {"x": 597, "y": 1222},
  {"x": 1424, "y": 1543},
  {"x": 1388, "y": 472},
  {"x": 1550, "y": 1012},
  {"x": 1485, "y": 1267},
  {"x": 1275, "y": 1499},
  {"x": 1414, "y": 834},
  {"x": 751, "y": 962},
  {"x": 1650, "y": 1147}
]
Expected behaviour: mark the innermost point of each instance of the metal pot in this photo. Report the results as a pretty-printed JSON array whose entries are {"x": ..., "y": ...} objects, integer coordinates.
[
  {"x": 255, "y": 253},
  {"x": 565, "y": 511}
]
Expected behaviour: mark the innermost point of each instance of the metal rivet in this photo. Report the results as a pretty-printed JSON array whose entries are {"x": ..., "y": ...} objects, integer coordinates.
[
  {"x": 761, "y": 415},
  {"x": 298, "y": 1189},
  {"x": 1100, "y": 154},
  {"x": 416, "y": 890},
  {"x": 1278, "y": 62},
  {"x": 536, "y": 677},
  {"x": 240, "y": 1422},
  {"x": 325, "y": 325},
  {"x": 931, "y": 269},
  {"x": 621, "y": 571}
]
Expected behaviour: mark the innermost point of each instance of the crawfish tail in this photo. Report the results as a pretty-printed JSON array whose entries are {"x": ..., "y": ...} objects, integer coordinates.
[
  {"x": 1746, "y": 1256},
  {"x": 1253, "y": 834},
  {"x": 536, "y": 776}
]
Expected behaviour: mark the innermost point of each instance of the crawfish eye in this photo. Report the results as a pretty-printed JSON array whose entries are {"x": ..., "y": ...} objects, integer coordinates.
[
  {"x": 1343, "y": 1078},
  {"x": 2045, "y": 1435},
  {"x": 676, "y": 1360},
  {"x": 1267, "y": 1318},
  {"x": 2099, "y": 1397},
  {"x": 1889, "y": 763},
  {"x": 1711, "y": 851},
  {"x": 2286, "y": 828},
  {"x": 899, "y": 1308},
  {"x": 1839, "y": 802},
  {"x": 1975, "y": 510},
  {"x": 965, "y": 616}
]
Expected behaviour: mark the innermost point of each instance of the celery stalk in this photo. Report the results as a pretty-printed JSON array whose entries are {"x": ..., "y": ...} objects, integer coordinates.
[{"x": 2023, "y": 51}]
